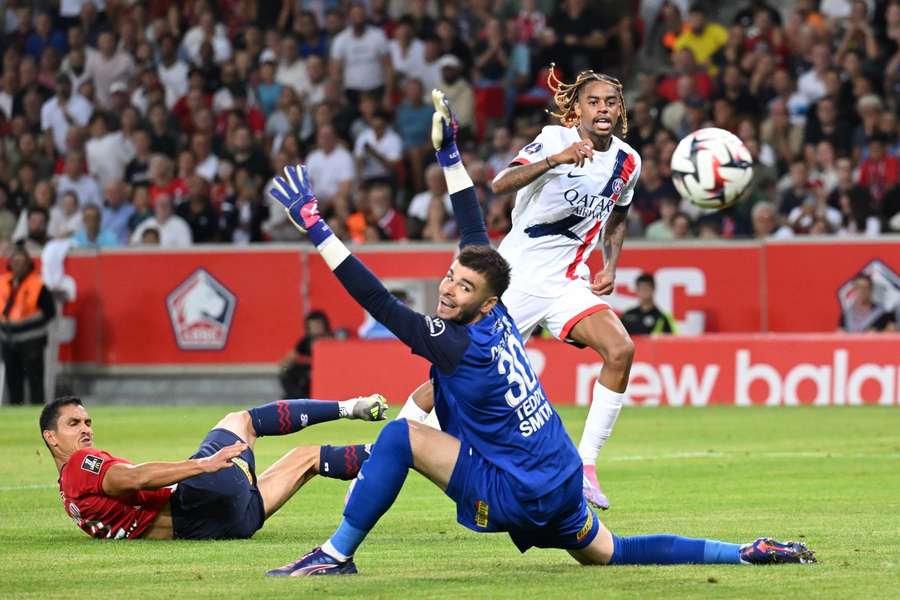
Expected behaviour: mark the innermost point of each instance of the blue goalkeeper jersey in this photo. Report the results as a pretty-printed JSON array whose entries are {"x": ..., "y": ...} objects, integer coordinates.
[
  {"x": 494, "y": 401},
  {"x": 485, "y": 392}
]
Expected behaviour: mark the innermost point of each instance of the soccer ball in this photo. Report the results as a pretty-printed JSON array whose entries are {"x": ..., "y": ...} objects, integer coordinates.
[{"x": 712, "y": 168}]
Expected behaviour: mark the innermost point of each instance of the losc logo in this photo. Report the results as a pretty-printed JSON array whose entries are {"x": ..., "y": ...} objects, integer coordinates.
[
  {"x": 885, "y": 286},
  {"x": 201, "y": 310}
]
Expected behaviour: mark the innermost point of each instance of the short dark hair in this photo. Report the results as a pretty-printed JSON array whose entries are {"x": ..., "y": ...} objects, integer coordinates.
[
  {"x": 864, "y": 277},
  {"x": 646, "y": 278},
  {"x": 50, "y": 414},
  {"x": 488, "y": 263}
]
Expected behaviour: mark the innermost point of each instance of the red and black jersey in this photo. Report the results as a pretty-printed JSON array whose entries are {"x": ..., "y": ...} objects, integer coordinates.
[{"x": 101, "y": 515}]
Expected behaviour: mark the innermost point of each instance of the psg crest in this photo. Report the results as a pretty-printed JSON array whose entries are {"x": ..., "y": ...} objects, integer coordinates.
[{"x": 201, "y": 310}]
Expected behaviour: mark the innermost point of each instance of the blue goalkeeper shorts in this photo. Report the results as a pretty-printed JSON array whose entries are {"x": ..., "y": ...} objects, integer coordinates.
[
  {"x": 221, "y": 505},
  {"x": 486, "y": 502}
]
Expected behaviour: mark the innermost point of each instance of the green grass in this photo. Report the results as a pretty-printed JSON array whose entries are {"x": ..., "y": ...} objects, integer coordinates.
[{"x": 830, "y": 476}]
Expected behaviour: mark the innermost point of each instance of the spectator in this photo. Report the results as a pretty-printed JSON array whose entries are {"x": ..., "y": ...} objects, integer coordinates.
[
  {"x": 765, "y": 222},
  {"x": 64, "y": 111},
  {"x": 683, "y": 64},
  {"x": 360, "y": 58},
  {"x": 291, "y": 70},
  {"x": 150, "y": 237},
  {"x": 378, "y": 151},
  {"x": 162, "y": 179},
  {"x": 268, "y": 91},
  {"x": 646, "y": 318},
  {"x": 108, "y": 151},
  {"x": 117, "y": 212},
  {"x": 140, "y": 202},
  {"x": 796, "y": 189},
  {"x": 36, "y": 236},
  {"x": 681, "y": 226},
  {"x": 207, "y": 30},
  {"x": 199, "y": 214},
  {"x": 375, "y": 330},
  {"x": 137, "y": 171},
  {"x": 173, "y": 73},
  {"x": 419, "y": 206},
  {"x": 879, "y": 171},
  {"x": 28, "y": 309},
  {"x": 413, "y": 123},
  {"x": 827, "y": 125},
  {"x": 75, "y": 179},
  {"x": 661, "y": 229},
  {"x": 108, "y": 66},
  {"x": 438, "y": 226},
  {"x": 701, "y": 37},
  {"x": 651, "y": 189},
  {"x": 391, "y": 222},
  {"x": 65, "y": 217},
  {"x": 861, "y": 314},
  {"x": 458, "y": 92},
  {"x": 296, "y": 365},
  {"x": 242, "y": 216},
  {"x": 330, "y": 167},
  {"x": 407, "y": 52},
  {"x": 91, "y": 235},
  {"x": 207, "y": 162},
  {"x": 44, "y": 36},
  {"x": 173, "y": 231},
  {"x": 811, "y": 84}
]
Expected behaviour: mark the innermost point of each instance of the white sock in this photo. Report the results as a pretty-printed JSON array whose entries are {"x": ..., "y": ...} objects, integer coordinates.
[
  {"x": 605, "y": 407},
  {"x": 412, "y": 411},
  {"x": 329, "y": 549}
]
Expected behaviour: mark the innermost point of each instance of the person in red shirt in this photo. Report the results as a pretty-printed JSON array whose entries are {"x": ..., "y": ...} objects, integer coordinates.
[
  {"x": 215, "y": 494},
  {"x": 879, "y": 172}
]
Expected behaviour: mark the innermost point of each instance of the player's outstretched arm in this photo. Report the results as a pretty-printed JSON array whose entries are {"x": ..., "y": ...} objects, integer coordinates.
[
  {"x": 121, "y": 479},
  {"x": 420, "y": 333},
  {"x": 515, "y": 177},
  {"x": 466, "y": 209}
]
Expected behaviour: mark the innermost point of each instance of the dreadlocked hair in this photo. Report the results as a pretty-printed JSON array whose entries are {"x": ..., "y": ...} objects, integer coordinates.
[{"x": 566, "y": 94}]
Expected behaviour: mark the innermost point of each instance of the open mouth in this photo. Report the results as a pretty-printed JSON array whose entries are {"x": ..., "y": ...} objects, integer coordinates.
[
  {"x": 446, "y": 304},
  {"x": 603, "y": 121},
  {"x": 85, "y": 439}
]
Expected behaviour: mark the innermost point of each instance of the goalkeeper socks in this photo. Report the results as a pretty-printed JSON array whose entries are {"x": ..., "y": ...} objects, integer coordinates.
[
  {"x": 672, "y": 550},
  {"x": 342, "y": 462},
  {"x": 604, "y": 411},
  {"x": 287, "y": 416},
  {"x": 376, "y": 488}
]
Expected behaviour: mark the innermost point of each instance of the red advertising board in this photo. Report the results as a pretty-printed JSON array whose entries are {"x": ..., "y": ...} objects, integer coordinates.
[
  {"x": 230, "y": 305},
  {"x": 158, "y": 308},
  {"x": 784, "y": 369}
]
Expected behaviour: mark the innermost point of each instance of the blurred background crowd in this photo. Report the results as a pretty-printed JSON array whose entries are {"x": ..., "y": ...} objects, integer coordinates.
[{"x": 133, "y": 122}]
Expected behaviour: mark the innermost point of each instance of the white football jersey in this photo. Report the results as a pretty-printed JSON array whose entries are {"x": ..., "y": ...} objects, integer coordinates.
[{"x": 557, "y": 219}]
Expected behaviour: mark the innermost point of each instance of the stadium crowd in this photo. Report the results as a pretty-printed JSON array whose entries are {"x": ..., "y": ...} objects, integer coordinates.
[{"x": 134, "y": 122}]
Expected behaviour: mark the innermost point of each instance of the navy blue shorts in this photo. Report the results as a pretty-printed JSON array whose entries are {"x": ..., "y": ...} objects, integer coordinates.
[
  {"x": 221, "y": 505},
  {"x": 486, "y": 502}
]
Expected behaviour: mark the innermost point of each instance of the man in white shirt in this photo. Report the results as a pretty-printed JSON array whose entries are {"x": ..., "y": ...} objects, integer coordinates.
[
  {"x": 318, "y": 77},
  {"x": 207, "y": 30},
  {"x": 330, "y": 166},
  {"x": 291, "y": 70},
  {"x": 407, "y": 52},
  {"x": 437, "y": 188},
  {"x": 64, "y": 111},
  {"x": 360, "y": 57},
  {"x": 108, "y": 150},
  {"x": 172, "y": 72},
  {"x": 108, "y": 67},
  {"x": 811, "y": 85},
  {"x": 174, "y": 232},
  {"x": 377, "y": 150},
  {"x": 74, "y": 179}
]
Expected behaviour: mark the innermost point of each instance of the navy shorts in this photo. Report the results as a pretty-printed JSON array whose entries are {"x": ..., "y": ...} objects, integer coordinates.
[
  {"x": 486, "y": 502},
  {"x": 221, "y": 505}
]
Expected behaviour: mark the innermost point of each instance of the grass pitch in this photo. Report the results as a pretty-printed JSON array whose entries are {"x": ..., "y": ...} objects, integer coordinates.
[{"x": 830, "y": 476}]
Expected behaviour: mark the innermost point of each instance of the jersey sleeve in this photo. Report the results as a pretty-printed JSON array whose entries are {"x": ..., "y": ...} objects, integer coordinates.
[
  {"x": 631, "y": 177},
  {"x": 86, "y": 470},
  {"x": 547, "y": 143},
  {"x": 441, "y": 342}
]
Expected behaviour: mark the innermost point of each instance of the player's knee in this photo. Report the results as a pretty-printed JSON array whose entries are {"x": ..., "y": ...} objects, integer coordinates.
[
  {"x": 620, "y": 353},
  {"x": 395, "y": 439},
  {"x": 239, "y": 422}
]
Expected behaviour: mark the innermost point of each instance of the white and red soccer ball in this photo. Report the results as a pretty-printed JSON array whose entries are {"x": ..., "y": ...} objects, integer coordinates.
[{"x": 712, "y": 168}]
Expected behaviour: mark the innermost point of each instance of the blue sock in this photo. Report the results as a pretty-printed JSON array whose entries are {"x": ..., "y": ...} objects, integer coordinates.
[
  {"x": 379, "y": 482},
  {"x": 672, "y": 550},
  {"x": 342, "y": 462},
  {"x": 287, "y": 416}
]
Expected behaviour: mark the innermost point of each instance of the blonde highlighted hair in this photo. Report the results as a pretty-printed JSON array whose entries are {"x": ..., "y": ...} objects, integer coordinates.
[{"x": 566, "y": 94}]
